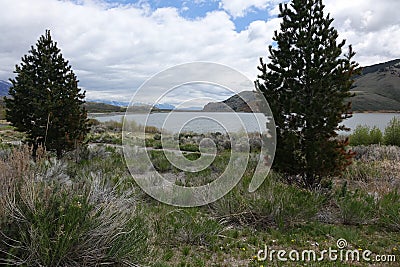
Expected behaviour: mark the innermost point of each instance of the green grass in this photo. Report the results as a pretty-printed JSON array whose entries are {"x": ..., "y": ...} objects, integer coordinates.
[
  {"x": 229, "y": 232},
  {"x": 390, "y": 211},
  {"x": 189, "y": 147},
  {"x": 88, "y": 206},
  {"x": 356, "y": 208}
]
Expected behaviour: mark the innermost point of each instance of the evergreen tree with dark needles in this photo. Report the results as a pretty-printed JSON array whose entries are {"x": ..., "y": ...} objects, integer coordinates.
[
  {"x": 307, "y": 85},
  {"x": 45, "y": 101}
]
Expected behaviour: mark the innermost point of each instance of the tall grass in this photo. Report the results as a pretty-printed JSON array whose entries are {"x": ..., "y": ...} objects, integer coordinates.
[
  {"x": 356, "y": 208},
  {"x": 187, "y": 226},
  {"x": 389, "y": 211},
  {"x": 273, "y": 204},
  {"x": 48, "y": 219}
]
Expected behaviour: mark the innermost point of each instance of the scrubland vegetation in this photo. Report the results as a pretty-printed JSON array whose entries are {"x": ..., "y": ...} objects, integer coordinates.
[
  {"x": 86, "y": 210},
  {"x": 364, "y": 135},
  {"x": 77, "y": 204}
]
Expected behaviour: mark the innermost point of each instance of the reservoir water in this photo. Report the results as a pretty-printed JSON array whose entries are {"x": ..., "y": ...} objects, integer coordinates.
[{"x": 232, "y": 122}]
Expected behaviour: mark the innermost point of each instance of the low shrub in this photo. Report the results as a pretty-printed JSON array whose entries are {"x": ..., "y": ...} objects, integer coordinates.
[
  {"x": 93, "y": 122},
  {"x": 360, "y": 136},
  {"x": 104, "y": 138},
  {"x": 50, "y": 220},
  {"x": 189, "y": 147},
  {"x": 113, "y": 125},
  {"x": 160, "y": 161},
  {"x": 46, "y": 225},
  {"x": 149, "y": 142},
  {"x": 364, "y": 135},
  {"x": 376, "y": 153},
  {"x": 188, "y": 226},
  {"x": 392, "y": 132},
  {"x": 152, "y": 130},
  {"x": 286, "y": 204},
  {"x": 355, "y": 208},
  {"x": 274, "y": 203},
  {"x": 389, "y": 211},
  {"x": 157, "y": 136},
  {"x": 192, "y": 156},
  {"x": 375, "y": 136},
  {"x": 362, "y": 171}
]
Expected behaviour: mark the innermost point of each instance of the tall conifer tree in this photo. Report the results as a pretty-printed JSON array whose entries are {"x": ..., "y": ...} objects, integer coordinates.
[
  {"x": 307, "y": 84},
  {"x": 45, "y": 101}
]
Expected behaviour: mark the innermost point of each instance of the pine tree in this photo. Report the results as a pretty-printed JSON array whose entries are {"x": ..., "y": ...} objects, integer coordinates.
[
  {"x": 45, "y": 101},
  {"x": 307, "y": 85}
]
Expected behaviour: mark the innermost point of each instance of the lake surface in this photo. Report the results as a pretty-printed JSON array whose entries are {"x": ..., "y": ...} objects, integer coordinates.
[
  {"x": 203, "y": 122},
  {"x": 200, "y": 122}
]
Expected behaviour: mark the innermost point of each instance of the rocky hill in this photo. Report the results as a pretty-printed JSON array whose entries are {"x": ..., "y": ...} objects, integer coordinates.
[
  {"x": 4, "y": 86},
  {"x": 95, "y": 107},
  {"x": 243, "y": 102},
  {"x": 377, "y": 88}
]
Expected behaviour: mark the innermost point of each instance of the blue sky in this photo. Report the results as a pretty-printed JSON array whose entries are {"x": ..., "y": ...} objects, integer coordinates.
[
  {"x": 196, "y": 9},
  {"x": 115, "y": 46}
]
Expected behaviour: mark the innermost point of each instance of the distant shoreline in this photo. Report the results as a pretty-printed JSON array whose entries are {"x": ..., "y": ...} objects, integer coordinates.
[
  {"x": 102, "y": 114},
  {"x": 377, "y": 111}
]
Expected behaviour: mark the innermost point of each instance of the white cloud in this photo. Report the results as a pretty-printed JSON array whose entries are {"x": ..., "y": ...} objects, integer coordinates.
[
  {"x": 372, "y": 27},
  {"x": 116, "y": 48},
  {"x": 239, "y": 8},
  {"x": 113, "y": 49}
]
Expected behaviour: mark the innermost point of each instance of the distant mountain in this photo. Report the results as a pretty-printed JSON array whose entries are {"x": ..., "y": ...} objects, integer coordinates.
[
  {"x": 165, "y": 106},
  {"x": 192, "y": 108},
  {"x": 110, "y": 102},
  {"x": 4, "y": 86},
  {"x": 91, "y": 106},
  {"x": 2, "y": 109},
  {"x": 245, "y": 101},
  {"x": 380, "y": 66},
  {"x": 96, "y": 107},
  {"x": 377, "y": 88}
]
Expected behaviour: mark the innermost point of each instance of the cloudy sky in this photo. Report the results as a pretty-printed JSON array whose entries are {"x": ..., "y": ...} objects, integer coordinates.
[{"x": 114, "y": 46}]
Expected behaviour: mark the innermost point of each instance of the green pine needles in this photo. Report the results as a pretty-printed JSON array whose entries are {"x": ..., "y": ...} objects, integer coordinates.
[
  {"x": 45, "y": 101},
  {"x": 306, "y": 85}
]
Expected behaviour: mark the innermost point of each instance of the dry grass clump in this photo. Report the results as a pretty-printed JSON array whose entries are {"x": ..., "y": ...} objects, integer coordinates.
[
  {"x": 376, "y": 169},
  {"x": 47, "y": 219},
  {"x": 15, "y": 167},
  {"x": 363, "y": 190},
  {"x": 273, "y": 204},
  {"x": 376, "y": 152}
]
